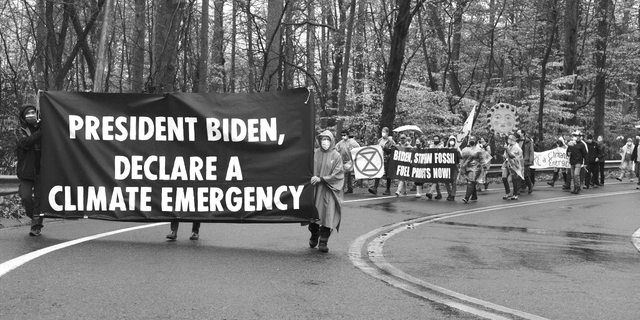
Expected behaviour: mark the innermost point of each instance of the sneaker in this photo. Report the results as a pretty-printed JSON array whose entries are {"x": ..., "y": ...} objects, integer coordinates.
[
  {"x": 172, "y": 235},
  {"x": 397, "y": 194},
  {"x": 451, "y": 198},
  {"x": 428, "y": 195},
  {"x": 373, "y": 191},
  {"x": 194, "y": 236},
  {"x": 465, "y": 200},
  {"x": 438, "y": 196},
  {"x": 474, "y": 198},
  {"x": 34, "y": 232},
  {"x": 386, "y": 192},
  {"x": 418, "y": 195},
  {"x": 619, "y": 179},
  {"x": 507, "y": 197},
  {"x": 514, "y": 198},
  {"x": 595, "y": 186},
  {"x": 530, "y": 191}
]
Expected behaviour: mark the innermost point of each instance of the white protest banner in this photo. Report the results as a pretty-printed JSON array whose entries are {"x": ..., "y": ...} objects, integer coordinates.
[
  {"x": 368, "y": 162},
  {"x": 554, "y": 158}
]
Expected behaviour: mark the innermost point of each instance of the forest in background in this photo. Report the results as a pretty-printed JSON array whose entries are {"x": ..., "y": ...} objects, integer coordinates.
[{"x": 564, "y": 64}]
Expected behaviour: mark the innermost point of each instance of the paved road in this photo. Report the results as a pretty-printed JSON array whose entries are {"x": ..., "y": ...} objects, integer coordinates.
[{"x": 547, "y": 255}]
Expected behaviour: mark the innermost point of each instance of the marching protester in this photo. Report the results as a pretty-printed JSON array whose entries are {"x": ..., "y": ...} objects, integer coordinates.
[
  {"x": 328, "y": 179},
  {"x": 470, "y": 168},
  {"x": 604, "y": 153},
  {"x": 557, "y": 171},
  {"x": 28, "y": 136},
  {"x": 452, "y": 143},
  {"x": 195, "y": 231},
  {"x": 435, "y": 187},
  {"x": 388, "y": 145},
  {"x": 636, "y": 160},
  {"x": 403, "y": 145},
  {"x": 344, "y": 147},
  {"x": 486, "y": 166},
  {"x": 626, "y": 166},
  {"x": 526, "y": 145},
  {"x": 512, "y": 168},
  {"x": 593, "y": 154},
  {"x": 419, "y": 146},
  {"x": 577, "y": 152}
]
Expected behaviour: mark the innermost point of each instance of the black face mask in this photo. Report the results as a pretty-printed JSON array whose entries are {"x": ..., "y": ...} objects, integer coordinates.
[
  {"x": 472, "y": 143},
  {"x": 436, "y": 141}
]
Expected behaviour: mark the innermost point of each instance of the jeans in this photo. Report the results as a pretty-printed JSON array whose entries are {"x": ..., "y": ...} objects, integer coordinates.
[{"x": 575, "y": 172}]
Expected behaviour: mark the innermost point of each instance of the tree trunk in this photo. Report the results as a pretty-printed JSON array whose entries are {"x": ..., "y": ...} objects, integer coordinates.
[
  {"x": 338, "y": 53},
  {"x": 203, "y": 65},
  {"x": 311, "y": 42},
  {"x": 394, "y": 68},
  {"x": 570, "y": 37},
  {"x": 217, "y": 47},
  {"x": 358, "y": 59},
  {"x": 271, "y": 62},
  {"x": 551, "y": 27},
  {"x": 101, "y": 63},
  {"x": 251, "y": 82},
  {"x": 456, "y": 45},
  {"x": 137, "y": 52},
  {"x": 289, "y": 49},
  {"x": 165, "y": 46},
  {"x": 602, "y": 16},
  {"x": 234, "y": 34},
  {"x": 342, "y": 102}
]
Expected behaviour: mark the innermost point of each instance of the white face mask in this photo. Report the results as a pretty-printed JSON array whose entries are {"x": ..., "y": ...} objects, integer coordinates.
[
  {"x": 384, "y": 135},
  {"x": 629, "y": 143},
  {"x": 325, "y": 144},
  {"x": 452, "y": 143}
]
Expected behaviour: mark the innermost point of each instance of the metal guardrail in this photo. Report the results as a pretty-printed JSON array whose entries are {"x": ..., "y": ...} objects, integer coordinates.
[{"x": 9, "y": 184}]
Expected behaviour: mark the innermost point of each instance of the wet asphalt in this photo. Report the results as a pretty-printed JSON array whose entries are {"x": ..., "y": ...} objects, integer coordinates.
[{"x": 547, "y": 255}]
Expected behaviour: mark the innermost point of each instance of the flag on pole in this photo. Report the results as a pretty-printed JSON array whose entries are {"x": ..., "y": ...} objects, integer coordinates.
[{"x": 468, "y": 124}]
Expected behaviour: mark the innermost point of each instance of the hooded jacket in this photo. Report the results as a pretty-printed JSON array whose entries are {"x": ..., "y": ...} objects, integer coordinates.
[
  {"x": 327, "y": 164},
  {"x": 27, "y": 146}
]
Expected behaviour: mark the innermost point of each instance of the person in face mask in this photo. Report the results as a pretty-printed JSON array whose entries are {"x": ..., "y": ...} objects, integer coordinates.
[
  {"x": 452, "y": 143},
  {"x": 28, "y": 137},
  {"x": 471, "y": 167},
  {"x": 577, "y": 152},
  {"x": 328, "y": 181},
  {"x": 626, "y": 166},
  {"x": 435, "y": 187},
  {"x": 344, "y": 147},
  {"x": 388, "y": 145}
]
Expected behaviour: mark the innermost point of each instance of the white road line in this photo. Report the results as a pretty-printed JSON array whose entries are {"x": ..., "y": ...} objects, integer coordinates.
[
  {"x": 399, "y": 279},
  {"x": 635, "y": 239},
  {"x": 16, "y": 262}
]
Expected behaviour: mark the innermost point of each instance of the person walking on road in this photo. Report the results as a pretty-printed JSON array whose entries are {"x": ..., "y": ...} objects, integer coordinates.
[
  {"x": 471, "y": 167},
  {"x": 604, "y": 153},
  {"x": 482, "y": 180},
  {"x": 28, "y": 137},
  {"x": 635, "y": 157},
  {"x": 435, "y": 187},
  {"x": 512, "y": 168},
  {"x": 593, "y": 154},
  {"x": 577, "y": 152},
  {"x": 420, "y": 146},
  {"x": 452, "y": 143},
  {"x": 526, "y": 145},
  {"x": 344, "y": 147},
  {"x": 403, "y": 145},
  {"x": 328, "y": 181},
  {"x": 195, "y": 231},
  {"x": 626, "y": 166},
  {"x": 388, "y": 145}
]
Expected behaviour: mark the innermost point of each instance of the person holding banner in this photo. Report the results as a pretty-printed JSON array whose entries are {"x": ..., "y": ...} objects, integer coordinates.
[
  {"x": 388, "y": 145},
  {"x": 420, "y": 146},
  {"x": 512, "y": 167},
  {"x": 452, "y": 143},
  {"x": 28, "y": 136},
  {"x": 328, "y": 179},
  {"x": 435, "y": 187},
  {"x": 471, "y": 167},
  {"x": 403, "y": 145},
  {"x": 344, "y": 147},
  {"x": 556, "y": 171}
]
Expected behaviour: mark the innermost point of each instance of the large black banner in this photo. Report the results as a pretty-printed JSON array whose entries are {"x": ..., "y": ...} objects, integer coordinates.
[
  {"x": 178, "y": 157},
  {"x": 431, "y": 165}
]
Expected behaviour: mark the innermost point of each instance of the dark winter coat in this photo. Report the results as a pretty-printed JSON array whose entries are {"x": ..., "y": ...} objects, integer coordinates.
[
  {"x": 27, "y": 147},
  {"x": 593, "y": 152},
  {"x": 577, "y": 153}
]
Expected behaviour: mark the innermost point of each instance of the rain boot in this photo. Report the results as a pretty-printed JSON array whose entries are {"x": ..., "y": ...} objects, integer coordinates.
[
  {"x": 324, "y": 239},
  {"x": 315, "y": 235}
]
